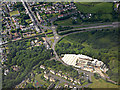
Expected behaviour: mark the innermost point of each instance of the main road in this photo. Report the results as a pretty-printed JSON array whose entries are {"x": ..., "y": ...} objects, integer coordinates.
[
  {"x": 94, "y": 27},
  {"x": 32, "y": 16}
]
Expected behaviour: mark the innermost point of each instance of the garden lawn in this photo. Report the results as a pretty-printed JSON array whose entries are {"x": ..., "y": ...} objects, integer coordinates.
[
  {"x": 49, "y": 31},
  {"x": 14, "y": 13},
  {"x": 28, "y": 21}
]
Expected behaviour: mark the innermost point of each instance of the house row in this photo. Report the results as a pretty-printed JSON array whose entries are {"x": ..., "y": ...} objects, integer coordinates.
[
  {"x": 59, "y": 74},
  {"x": 51, "y": 79},
  {"x": 36, "y": 43},
  {"x": 67, "y": 86}
]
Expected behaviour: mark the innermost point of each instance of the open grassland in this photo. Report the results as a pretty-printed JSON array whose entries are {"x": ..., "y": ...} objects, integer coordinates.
[
  {"x": 38, "y": 77},
  {"x": 94, "y": 7},
  {"x": 100, "y": 83},
  {"x": 14, "y": 13},
  {"x": 65, "y": 22}
]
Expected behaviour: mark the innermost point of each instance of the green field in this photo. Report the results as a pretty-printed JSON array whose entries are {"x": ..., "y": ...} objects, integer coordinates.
[
  {"x": 64, "y": 22},
  {"x": 52, "y": 40},
  {"x": 49, "y": 31},
  {"x": 28, "y": 21},
  {"x": 14, "y": 13},
  {"x": 100, "y": 83},
  {"x": 94, "y": 7},
  {"x": 50, "y": 35},
  {"x": 102, "y": 45},
  {"x": 38, "y": 78}
]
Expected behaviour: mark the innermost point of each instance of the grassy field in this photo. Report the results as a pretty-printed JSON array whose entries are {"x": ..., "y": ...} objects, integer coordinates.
[
  {"x": 38, "y": 78},
  {"x": 65, "y": 22},
  {"x": 28, "y": 21},
  {"x": 100, "y": 83},
  {"x": 49, "y": 31},
  {"x": 50, "y": 35},
  {"x": 94, "y": 7},
  {"x": 52, "y": 40},
  {"x": 14, "y": 13}
]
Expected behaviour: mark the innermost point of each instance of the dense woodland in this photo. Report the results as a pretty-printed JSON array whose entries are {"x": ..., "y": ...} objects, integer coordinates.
[
  {"x": 26, "y": 58},
  {"x": 102, "y": 45}
]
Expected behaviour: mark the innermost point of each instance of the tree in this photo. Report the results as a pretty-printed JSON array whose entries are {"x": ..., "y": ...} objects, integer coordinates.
[
  {"x": 74, "y": 21},
  {"x": 33, "y": 9}
]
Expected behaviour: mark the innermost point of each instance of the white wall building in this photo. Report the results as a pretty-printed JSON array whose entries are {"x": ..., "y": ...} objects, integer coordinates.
[{"x": 84, "y": 62}]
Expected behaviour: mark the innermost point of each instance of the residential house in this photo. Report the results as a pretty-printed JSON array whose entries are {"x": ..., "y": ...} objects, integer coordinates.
[
  {"x": 6, "y": 72},
  {"x": 28, "y": 80},
  {"x": 52, "y": 79},
  {"x": 32, "y": 74},
  {"x": 37, "y": 44},
  {"x": 71, "y": 79},
  {"x": 59, "y": 74},
  {"x": 46, "y": 76},
  {"x": 70, "y": 86},
  {"x": 66, "y": 77},
  {"x": 51, "y": 86},
  {"x": 60, "y": 16},
  {"x": 36, "y": 41},
  {"x": 42, "y": 8},
  {"x": 75, "y": 81},
  {"x": 53, "y": 72},
  {"x": 66, "y": 85},
  {"x": 48, "y": 8},
  {"x": 46, "y": 71},
  {"x": 43, "y": 67},
  {"x": 32, "y": 43},
  {"x": 78, "y": 81},
  {"x": 15, "y": 67}
]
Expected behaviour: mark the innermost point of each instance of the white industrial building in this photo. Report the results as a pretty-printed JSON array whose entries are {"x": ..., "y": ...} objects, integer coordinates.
[{"x": 84, "y": 62}]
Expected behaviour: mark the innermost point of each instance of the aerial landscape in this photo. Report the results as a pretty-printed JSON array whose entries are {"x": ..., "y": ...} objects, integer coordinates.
[{"x": 59, "y": 45}]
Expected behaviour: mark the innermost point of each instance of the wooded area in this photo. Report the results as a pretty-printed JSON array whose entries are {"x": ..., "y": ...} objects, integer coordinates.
[{"x": 26, "y": 58}]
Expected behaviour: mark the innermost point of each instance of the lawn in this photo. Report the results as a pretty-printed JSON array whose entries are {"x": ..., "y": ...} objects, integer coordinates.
[
  {"x": 28, "y": 21},
  {"x": 52, "y": 40},
  {"x": 49, "y": 31},
  {"x": 38, "y": 78},
  {"x": 50, "y": 35},
  {"x": 14, "y": 13},
  {"x": 64, "y": 22},
  {"x": 88, "y": 7},
  {"x": 100, "y": 83},
  {"x": 62, "y": 84}
]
